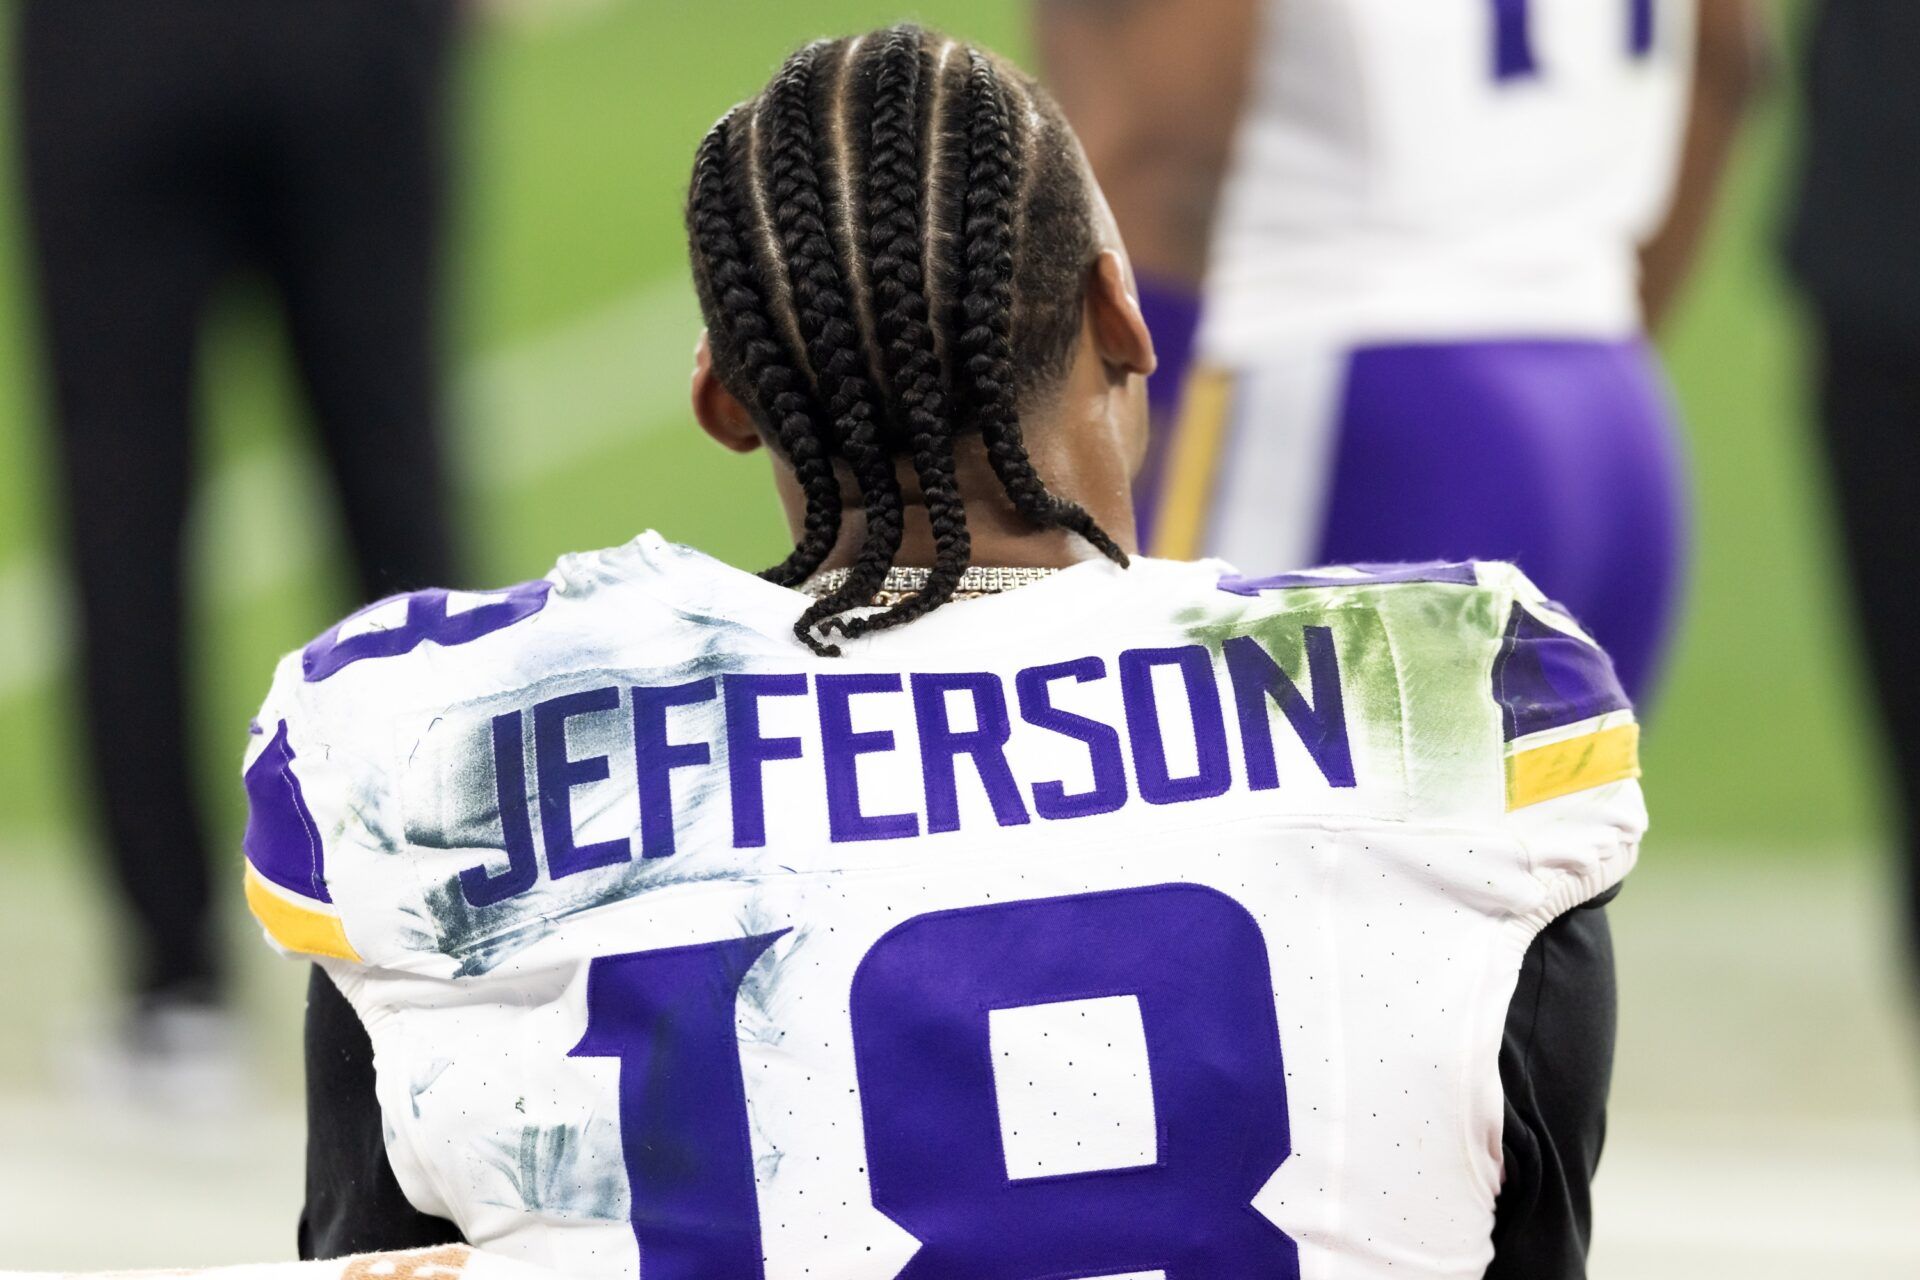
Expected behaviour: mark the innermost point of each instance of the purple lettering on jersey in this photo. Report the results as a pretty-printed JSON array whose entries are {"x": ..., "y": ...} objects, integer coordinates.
[
  {"x": 1361, "y": 575},
  {"x": 1256, "y": 679},
  {"x": 1544, "y": 678},
  {"x": 427, "y": 619},
  {"x": 1214, "y": 773},
  {"x": 655, "y": 759},
  {"x": 841, "y": 746},
  {"x": 1196, "y": 962},
  {"x": 282, "y": 841},
  {"x": 1321, "y": 727},
  {"x": 560, "y": 774},
  {"x": 1051, "y": 800},
  {"x": 748, "y": 751},
  {"x": 941, "y": 744},
  {"x": 480, "y": 888}
]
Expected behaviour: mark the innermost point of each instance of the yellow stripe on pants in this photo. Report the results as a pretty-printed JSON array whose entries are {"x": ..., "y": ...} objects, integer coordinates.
[{"x": 1193, "y": 466}]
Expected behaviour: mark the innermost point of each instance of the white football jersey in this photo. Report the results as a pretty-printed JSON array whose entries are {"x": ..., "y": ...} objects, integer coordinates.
[
  {"x": 1157, "y": 921},
  {"x": 1419, "y": 170}
]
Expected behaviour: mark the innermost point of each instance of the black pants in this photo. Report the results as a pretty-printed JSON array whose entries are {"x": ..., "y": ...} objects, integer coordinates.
[
  {"x": 1870, "y": 401},
  {"x": 167, "y": 143}
]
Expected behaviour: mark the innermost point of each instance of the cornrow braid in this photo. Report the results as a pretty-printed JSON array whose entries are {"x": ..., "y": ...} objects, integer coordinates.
[
  {"x": 837, "y": 348},
  {"x": 731, "y": 296},
  {"x": 898, "y": 271},
  {"x": 888, "y": 254},
  {"x": 824, "y": 307},
  {"x": 986, "y": 311}
]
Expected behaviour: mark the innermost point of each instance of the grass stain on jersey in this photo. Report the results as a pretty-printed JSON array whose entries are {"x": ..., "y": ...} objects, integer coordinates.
[
  {"x": 1371, "y": 687},
  {"x": 1414, "y": 664}
]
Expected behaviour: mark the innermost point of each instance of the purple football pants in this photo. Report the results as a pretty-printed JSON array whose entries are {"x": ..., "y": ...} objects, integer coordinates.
[{"x": 1562, "y": 456}]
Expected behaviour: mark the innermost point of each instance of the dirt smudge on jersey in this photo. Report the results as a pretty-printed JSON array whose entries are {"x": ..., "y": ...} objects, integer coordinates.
[
  {"x": 561, "y": 1170},
  {"x": 453, "y": 818},
  {"x": 417, "y": 1086}
]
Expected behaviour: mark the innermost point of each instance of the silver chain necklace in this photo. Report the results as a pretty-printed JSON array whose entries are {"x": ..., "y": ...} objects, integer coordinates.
[{"x": 977, "y": 580}]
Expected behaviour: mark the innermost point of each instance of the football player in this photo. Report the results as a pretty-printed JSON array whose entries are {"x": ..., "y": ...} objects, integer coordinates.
[
  {"x": 1420, "y": 228},
  {"x": 966, "y": 895}
]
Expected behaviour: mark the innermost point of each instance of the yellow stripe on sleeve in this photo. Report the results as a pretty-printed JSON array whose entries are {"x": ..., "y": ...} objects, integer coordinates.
[
  {"x": 297, "y": 928},
  {"x": 1193, "y": 465},
  {"x": 1562, "y": 768}
]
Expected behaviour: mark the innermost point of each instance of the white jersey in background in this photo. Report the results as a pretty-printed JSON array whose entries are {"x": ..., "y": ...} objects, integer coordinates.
[
  {"x": 1136, "y": 921},
  {"x": 1416, "y": 170}
]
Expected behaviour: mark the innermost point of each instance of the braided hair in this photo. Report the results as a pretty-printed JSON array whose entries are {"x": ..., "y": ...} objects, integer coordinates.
[{"x": 889, "y": 245}]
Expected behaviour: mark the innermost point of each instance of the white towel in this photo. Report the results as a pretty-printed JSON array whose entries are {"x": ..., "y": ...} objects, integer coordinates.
[{"x": 456, "y": 1262}]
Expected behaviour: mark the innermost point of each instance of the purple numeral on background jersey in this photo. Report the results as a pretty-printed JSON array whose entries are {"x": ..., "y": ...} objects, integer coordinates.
[
  {"x": 1640, "y": 27},
  {"x": 1195, "y": 960},
  {"x": 1513, "y": 40},
  {"x": 1513, "y": 56}
]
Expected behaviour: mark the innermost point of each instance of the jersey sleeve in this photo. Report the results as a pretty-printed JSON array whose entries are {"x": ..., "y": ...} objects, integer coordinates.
[
  {"x": 316, "y": 788},
  {"x": 1570, "y": 749},
  {"x": 1556, "y": 1059},
  {"x": 354, "y": 1201}
]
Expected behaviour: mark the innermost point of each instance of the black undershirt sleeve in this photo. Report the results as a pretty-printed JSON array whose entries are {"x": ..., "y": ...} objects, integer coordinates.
[
  {"x": 1556, "y": 1063},
  {"x": 354, "y": 1203}
]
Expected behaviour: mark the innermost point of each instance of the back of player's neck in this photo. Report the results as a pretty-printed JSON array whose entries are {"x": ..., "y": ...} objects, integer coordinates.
[{"x": 999, "y": 538}]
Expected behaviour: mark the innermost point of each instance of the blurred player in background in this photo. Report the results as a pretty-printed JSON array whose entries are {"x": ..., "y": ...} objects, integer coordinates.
[
  {"x": 1855, "y": 248},
  {"x": 1419, "y": 228},
  {"x": 965, "y": 896},
  {"x": 167, "y": 145}
]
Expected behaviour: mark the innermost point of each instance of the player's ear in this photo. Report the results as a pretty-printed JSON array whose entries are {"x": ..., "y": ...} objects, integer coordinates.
[
  {"x": 717, "y": 410},
  {"x": 1113, "y": 311}
]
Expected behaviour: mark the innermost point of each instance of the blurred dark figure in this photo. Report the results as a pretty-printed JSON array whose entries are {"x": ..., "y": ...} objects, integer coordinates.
[
  {"x": 1855, "y": 248},
  {"x": 168, "y": 143}
]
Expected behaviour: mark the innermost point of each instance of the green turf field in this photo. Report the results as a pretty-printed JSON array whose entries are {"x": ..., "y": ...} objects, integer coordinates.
[{"x": 575, "y": 326}]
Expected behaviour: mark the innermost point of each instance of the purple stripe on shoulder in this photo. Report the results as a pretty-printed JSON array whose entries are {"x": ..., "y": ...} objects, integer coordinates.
[
  {"x": 282, "y": 841},
  {"x": 1354, "y": 575},
  {"x": 1546, "y": 679}
]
